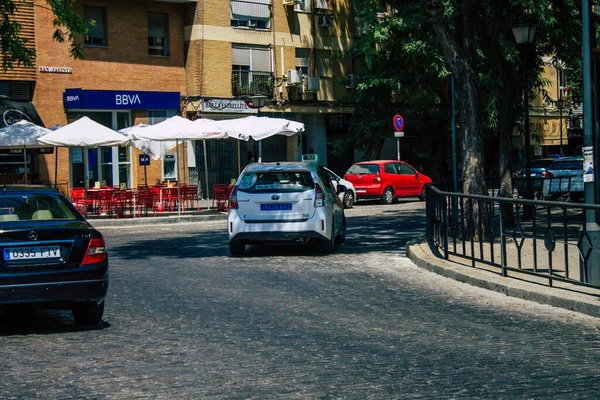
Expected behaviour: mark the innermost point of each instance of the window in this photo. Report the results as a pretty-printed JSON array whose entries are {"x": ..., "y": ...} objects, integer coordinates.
[
  {"x": 95, "y": 18},
  {"x": 158, "y": 29},
  {"x": 156, "y": 116},
  {"x": 302, "y": 60},
  {"x": 405, "y": 169},
  {"x": 302, "y": 5},
  {"x": 321, "y": 4},
  {"x": 254, "y": 14},
  {"x": 324, "y": 63},
  {"x": 251, "y": 70}
]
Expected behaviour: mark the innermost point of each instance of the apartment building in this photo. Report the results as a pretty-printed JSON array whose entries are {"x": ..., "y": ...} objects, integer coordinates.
[
  {"x": 291, "y": 52},
  {"x": 132, "y": 71}
]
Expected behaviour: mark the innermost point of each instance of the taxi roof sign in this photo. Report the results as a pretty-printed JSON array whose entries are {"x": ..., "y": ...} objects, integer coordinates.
[{"x": 310, "y": 157}]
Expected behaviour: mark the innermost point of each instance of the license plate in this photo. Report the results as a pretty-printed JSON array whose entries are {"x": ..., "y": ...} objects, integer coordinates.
[
  {"x": 31, "y": 253},
  {"x": 361, "y": 190},
  {"x": 276, "y": 207}
]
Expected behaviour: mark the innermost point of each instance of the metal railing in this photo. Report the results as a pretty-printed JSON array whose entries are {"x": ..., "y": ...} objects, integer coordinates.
[
  {"x": 550, "y": 240},
  {"x": 249, "y": 83}
]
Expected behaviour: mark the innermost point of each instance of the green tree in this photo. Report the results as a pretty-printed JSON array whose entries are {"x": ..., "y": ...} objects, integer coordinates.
[{"x": 68, "y": 26}]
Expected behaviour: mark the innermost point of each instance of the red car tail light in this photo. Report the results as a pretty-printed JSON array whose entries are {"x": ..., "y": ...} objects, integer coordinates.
[
  {"x": 96, "y": 252},
  {"x": 547, "y": 174},
  {"x": 377, "y": 178},
  {"x": 319, "y": 196},
  {"x": 233, "y": 203}
]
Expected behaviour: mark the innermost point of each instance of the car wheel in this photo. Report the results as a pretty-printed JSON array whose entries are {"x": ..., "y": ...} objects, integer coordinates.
[
  {"x": 348, "y": 199},
  {"x": 88, "y": 313},
  {"x": 237, "y": 247},
  {"x": 328, "y": 245},
  {"x": 423, "y": 195},
  {"x": 388, "y": 196},
  {"x": 342, "y": 236}
]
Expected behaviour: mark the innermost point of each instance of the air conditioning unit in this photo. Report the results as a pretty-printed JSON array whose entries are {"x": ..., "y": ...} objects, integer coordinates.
[
  {"x": 351, "y": 80},
  {"x": 291, "y": 2},
  {"x": 311, "y": 84},
  {"x": 324, "y": 21},
  {"x": 294, "y": 77}
]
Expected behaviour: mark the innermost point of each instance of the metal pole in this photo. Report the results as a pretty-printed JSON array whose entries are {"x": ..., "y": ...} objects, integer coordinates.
[
  {"x": 591, "y": 227},
  {"x": 178, "y": 179},
  {"x": 56, "y": 169},
  {"x": 561, "y": 132},
  {"x": 527, "y": 210},
  {"x": 24, "y": 165},
  {"x": 205, "y": 169},
  {"x": 398, "y": 147},
  {"x": 454, "y": 166}
]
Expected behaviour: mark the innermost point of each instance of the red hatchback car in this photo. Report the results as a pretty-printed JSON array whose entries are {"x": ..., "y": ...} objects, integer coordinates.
[{"x": 386, "y": 180}]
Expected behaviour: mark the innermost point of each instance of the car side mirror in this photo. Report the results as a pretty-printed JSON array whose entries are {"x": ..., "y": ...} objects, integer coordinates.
[
  {"x": 341, "y": 188},
  {"x": 417, "y": 175}
]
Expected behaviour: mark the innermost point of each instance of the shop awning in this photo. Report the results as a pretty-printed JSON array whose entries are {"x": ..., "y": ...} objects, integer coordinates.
[{"x": 12, "y": 111}]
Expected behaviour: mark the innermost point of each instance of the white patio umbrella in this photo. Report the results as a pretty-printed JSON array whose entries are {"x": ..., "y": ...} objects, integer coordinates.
[
  {"x": 22, "y": 134},
  {"x": 178, "y": 128},
  {"x": 260, "y": 128},
  {"x": 84, "y": 133},
  {"x": 156, "y": 150}
]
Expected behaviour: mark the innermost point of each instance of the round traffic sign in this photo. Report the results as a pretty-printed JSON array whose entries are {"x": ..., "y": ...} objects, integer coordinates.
[{"x": 398, "y": 123}]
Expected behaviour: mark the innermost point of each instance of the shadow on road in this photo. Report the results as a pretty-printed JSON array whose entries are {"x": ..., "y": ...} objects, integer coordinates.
[{"x": 30, "y": 320}]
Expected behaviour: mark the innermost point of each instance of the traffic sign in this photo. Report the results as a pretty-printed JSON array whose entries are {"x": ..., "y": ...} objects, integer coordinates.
[{"x": 398, "y": 123}]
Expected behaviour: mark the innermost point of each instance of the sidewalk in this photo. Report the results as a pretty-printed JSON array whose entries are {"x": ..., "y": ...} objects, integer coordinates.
[
  {"x": 207, "y": 212},
  {"x": 571, "y": 297}
]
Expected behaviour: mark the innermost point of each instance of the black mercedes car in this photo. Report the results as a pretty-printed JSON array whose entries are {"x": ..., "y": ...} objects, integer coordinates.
[{"x": 51, "y": 256}]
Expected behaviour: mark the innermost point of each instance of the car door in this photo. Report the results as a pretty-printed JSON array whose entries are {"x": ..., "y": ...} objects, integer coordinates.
[
  {"x": 392, "y": 178},
  {"x": 410, "y": 180}
]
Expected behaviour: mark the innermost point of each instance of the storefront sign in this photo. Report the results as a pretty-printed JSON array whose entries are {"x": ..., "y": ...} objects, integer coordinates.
[
  {"x": 227, "y": 106},
  {"x": 56, "y": 70},
  {"x": 144, "y": 159},
  {"x": 120, "y": 100},
  {"x": 588, "y": 164},
  {"x": 546, "y": 131}
]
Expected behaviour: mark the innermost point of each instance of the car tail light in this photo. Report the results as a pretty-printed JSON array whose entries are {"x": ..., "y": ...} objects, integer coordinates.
[
  {"x": 547, "y": 174},
  {"x": 96, "y": 252},
  {"x": 377, "y": 178},
  {"x": 319, "y": 196},
  {"x": 516, "y": 175},
  {"x": 233, "y": 203}
]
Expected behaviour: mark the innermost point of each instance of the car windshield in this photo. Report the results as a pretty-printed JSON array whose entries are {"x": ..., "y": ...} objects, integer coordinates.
[
  {"x": 567, "y": 164},
  {"x": 33, "y": 206},
  {"x": 276, "y": 181},
  {"x": 361, "y": 169}
]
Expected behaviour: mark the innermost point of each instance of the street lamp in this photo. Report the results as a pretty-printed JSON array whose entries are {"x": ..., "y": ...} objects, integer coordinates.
[
  {"x": 524, "y": 33},
  {"x": 560, "y": 106},
  {"x": 257, "y": 102}
]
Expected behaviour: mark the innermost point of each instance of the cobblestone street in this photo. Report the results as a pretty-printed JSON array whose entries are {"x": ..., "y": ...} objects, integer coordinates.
[{"x": 186, "y": 321}]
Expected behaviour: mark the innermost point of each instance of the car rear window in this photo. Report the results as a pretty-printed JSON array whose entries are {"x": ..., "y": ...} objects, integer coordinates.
[
  {"x": 276, "y": 181},
  {"x": 541, "y": 163},
  {"x": 568, "y": 164},
  {"x": 361, "y": 169},
  {"x": 33, "y": 206}
]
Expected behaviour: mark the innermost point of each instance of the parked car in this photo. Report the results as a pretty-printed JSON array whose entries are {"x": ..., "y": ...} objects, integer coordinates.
[
  {"x": 386, "y": 180},
  {"x": 51, "y": 256},
  {"x": 538, "y": 168},
  {"x": 564, "y": 178},
  {"x": 349, "y": 196},
  {"x": 285, "y": 201}
]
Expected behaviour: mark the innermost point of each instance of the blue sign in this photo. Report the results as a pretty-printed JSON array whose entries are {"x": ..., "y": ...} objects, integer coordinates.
[
  {"x": 120, "y": 100},
  {"x": 144, "y": 160},
  {"x": 398, "y": 123}
]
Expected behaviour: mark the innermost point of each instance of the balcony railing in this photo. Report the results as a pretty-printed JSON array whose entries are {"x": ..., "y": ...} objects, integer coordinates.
[{"x": 249, "y": 83}]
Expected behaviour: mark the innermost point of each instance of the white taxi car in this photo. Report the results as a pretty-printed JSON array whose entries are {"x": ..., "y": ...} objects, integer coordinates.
[{"x": 285, "y": 201}]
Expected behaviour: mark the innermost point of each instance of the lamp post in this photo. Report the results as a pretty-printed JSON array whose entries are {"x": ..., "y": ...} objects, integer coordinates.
[
  {"x": 524, "y": 33},
  {"x": 560, "y": 106},
  {"x": 257, "y": 101}
]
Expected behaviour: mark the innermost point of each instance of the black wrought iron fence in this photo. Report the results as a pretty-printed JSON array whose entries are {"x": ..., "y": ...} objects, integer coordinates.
[
  {"x": 250, "y": 83},
  {"x": 549, "y": 240}
]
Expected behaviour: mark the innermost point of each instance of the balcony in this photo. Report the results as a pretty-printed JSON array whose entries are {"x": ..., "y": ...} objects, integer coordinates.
[
  {"x": 251, "y": 14},
  {"x": 250, "y": 83}
]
